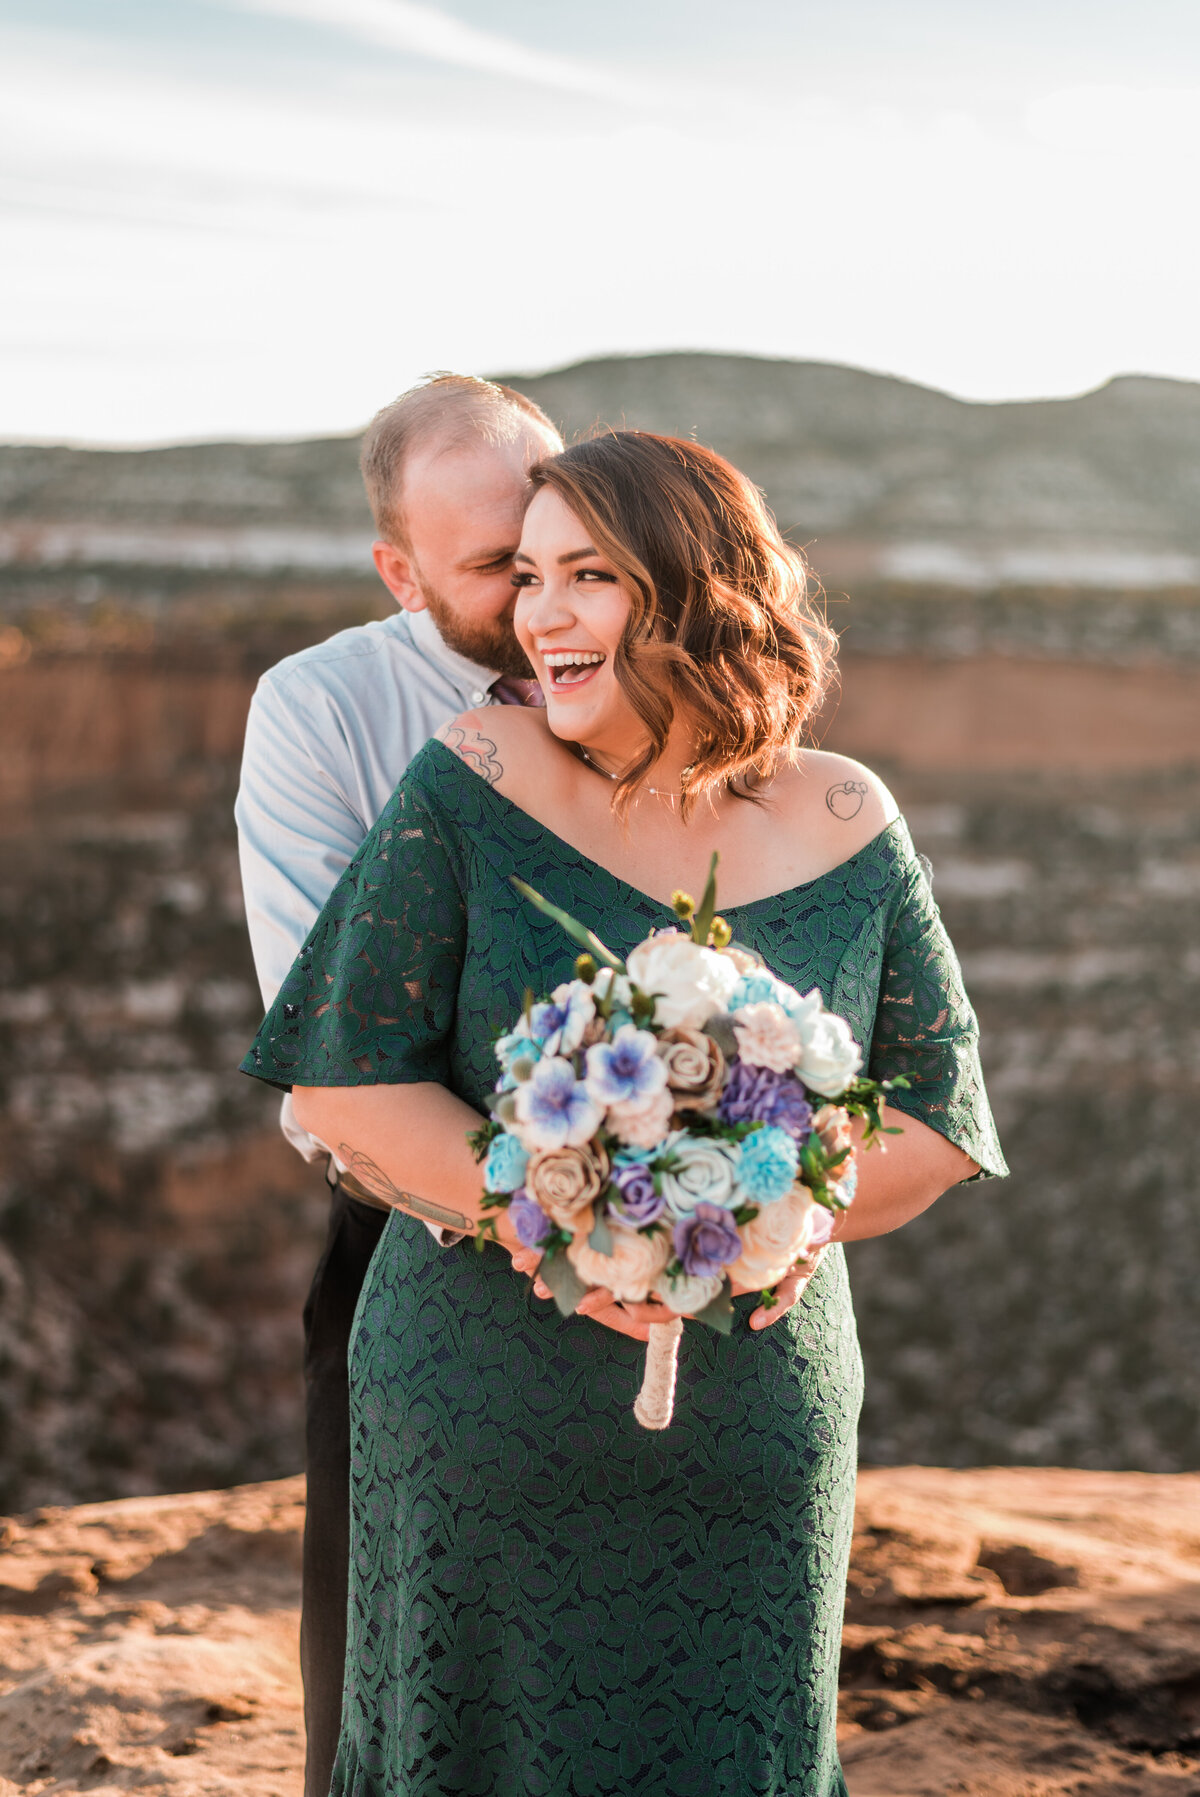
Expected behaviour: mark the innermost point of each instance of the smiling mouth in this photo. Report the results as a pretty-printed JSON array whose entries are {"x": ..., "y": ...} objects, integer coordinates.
[{"x": 571, "y": 667}]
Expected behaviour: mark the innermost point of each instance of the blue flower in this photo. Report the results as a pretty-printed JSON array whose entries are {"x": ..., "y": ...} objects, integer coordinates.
[
  {"x": 707, "y": 1241},
  {"x": 504, "y": 1169},
  {"x": 767, "y": 1164},
  {"x": 554, "y": 1108},
  {"x": 627, "y": 1069},
  {"x": 559, "y": 1023},
  {"x": 529, "y": 1220},
  {"x": 762, "y": 988},
  {"x": 518, "y": 1045}
]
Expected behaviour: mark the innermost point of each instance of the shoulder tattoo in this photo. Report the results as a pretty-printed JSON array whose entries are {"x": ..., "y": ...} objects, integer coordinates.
[
  {"x": 372, "y": 1176},
  {"x": 476, "y": 749},
  {"x": 846, "y": 799}
]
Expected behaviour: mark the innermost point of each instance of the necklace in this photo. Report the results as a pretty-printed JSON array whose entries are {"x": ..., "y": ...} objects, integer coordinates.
[{"x": 657, "y": 791}]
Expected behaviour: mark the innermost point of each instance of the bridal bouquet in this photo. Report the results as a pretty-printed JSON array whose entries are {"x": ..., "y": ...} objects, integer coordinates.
[{"x": 664, "y": 1126}]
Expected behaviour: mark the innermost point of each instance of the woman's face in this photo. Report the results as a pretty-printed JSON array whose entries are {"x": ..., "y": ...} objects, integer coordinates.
[{"x": 570, "y": 616}]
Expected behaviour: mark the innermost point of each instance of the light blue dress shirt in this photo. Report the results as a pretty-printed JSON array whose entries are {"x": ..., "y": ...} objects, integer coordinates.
[{"x": 329, "y": 734}]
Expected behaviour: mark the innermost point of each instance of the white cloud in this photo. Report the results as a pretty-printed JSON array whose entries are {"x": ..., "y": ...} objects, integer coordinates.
[{"x": 417, "y": 30}]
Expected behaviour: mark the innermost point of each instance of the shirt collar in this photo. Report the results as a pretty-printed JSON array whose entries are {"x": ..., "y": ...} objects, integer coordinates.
[{"x": 468, "y": 675}]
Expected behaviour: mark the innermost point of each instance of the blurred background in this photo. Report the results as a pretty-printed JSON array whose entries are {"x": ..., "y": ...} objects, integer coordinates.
[{"x": 928, "y": 275}]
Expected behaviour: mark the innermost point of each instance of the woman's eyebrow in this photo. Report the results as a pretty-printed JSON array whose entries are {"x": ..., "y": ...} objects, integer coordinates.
[{"x": 574, "y": 555}]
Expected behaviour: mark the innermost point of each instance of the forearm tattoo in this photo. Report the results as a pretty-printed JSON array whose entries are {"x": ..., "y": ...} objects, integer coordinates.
[
  {"x": 476, "y": 749},
  {"x": 373, "y": 1177},
  {"x": 846, "y": 799}
]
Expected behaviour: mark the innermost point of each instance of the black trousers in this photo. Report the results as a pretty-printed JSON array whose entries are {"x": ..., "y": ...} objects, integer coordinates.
[{"x": 354, "y": 1230}]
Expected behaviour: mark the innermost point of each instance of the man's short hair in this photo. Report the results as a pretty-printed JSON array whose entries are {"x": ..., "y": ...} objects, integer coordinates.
[{"x": 454, "y": 409}]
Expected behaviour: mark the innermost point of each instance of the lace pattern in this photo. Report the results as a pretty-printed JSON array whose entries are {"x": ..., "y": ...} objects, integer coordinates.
[{"x": 545, "y": 1599}]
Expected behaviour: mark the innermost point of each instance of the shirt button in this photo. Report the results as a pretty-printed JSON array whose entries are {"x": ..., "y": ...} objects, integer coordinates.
[{"x": 478, "y": 698}]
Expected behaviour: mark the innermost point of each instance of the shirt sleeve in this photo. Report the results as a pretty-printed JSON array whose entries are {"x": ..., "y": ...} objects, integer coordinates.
[
  {"x": 298, "y": 829},
  {"x": 925, "y": 1029},
  {"x": 371, "y": 997}
]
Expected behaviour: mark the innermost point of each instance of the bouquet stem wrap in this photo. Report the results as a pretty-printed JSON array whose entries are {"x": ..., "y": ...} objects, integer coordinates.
[{"x": 656, "y": 1401}]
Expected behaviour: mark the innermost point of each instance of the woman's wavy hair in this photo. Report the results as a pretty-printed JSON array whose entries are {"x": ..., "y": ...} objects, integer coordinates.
[{"x": 725, "y": 624}]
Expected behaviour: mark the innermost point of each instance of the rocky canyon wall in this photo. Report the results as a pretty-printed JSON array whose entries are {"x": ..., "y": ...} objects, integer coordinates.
[{"x": 158, "y": 1236}]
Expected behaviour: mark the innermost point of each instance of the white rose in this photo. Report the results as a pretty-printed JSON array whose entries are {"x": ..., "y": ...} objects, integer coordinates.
[
  {"x": 829, "y": 1056},
  {"x": 686, "y": 1295},
  {"x": 773, "y": 1241},
  {"x": 703, "y": 1173},
  {"x": 688, "y": 983}
]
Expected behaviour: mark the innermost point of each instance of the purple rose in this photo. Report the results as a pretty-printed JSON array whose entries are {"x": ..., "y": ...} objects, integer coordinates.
[
  {"x": 529, "y": 1220},
  {"x": 707, "y": 1241},
  {"x": 638, "y": 1202},
  {"x": 760, "y": 1095}
]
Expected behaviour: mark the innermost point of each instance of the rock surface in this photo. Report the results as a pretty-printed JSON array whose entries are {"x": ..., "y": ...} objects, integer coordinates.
[{"x": 1011, "y": 1632}]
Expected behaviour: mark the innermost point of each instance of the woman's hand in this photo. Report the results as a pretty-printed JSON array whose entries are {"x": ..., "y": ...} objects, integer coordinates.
[{"x": 635, "y": 1319}]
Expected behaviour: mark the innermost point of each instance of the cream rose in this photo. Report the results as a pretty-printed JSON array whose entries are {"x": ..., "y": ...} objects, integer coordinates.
[
  {"x": 643, "y": 1122},
  {"x": 695, "y": 1068},
  {"x": 829, "y": 1056},
  {"x": 832, "y": 1125},
  {"x": 684, "y": 1294},
  {"x": 637, "y": 1258},
  {"x": 687, "y": 982},
  {"x": 564, "y": 1181},
  {"x": 766, "y": 1036},
  {"x": 774, "y": 1240},
  {"x": 703, "y": 1172}
]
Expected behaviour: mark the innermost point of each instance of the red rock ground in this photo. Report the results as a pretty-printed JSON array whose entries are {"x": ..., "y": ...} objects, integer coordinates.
[{"x": 1010, "y": 1633}]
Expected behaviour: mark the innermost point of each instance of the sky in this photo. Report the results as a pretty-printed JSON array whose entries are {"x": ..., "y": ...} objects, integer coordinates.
[{"x": 263, "y": 218}]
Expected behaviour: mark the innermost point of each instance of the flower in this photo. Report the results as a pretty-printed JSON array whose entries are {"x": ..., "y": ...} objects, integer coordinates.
[
  {"x": 609, "y": 985},
  {"x": 767, "y": 1165},
  {"x": 845, "y": 1185},
  {"x": 699, "y": 1172},
  {"x": 766, "y": 1036},
  {"x": 626, "y": 1070},
  {"x": 564, "y": 1181},
  {"x": 829, "y": 1056},
  {"x": 553, "y": 1107},
  {"x": 774, "y": 1240},
  {"x": 644, "y": 1124},
  {"x": 635, "y": 1201},
  {"x": 637, "y": 1258},
  {"x": 685, "y": 1294},
  {"x": 518, "y": 1045},
  {"x": 687, "y": 982},
  {"x": 529, "y": 1220},
  {"x": 832, "y": 1127},
  {"x": 707, "y": 1241},
  {"x": 504, "y": 1169},
  {"x": 761, "y": 987},
  {"x": 695, "y": 1068},
  {"x": 760, "y": 1095},
  {"x": 559, "y": 1026},
  {"x": 824, "y": 1222}
]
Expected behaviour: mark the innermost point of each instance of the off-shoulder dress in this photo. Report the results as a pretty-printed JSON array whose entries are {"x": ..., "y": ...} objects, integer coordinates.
[{"x": 547, "y": 1601}]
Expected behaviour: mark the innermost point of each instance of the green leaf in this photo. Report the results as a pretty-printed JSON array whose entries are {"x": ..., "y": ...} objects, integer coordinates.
[
  {"x": 566, "y": 1287},
  {"x": 707, "y": 910},
  {"x": 601, "y": 1237},
  {"x": 718, "y": 1312},
  {"x": 580, "y": 935}
]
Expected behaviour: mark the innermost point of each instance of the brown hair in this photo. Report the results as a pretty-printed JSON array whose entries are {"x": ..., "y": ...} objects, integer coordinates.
[
  {"x": 450, "y": 407},
  {"x": 725, "y": 623}
]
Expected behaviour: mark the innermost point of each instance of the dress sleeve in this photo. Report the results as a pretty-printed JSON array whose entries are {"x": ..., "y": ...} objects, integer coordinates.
[
  {"x": 925, "y": 1028},
  {"x": 370, "y": 999}
]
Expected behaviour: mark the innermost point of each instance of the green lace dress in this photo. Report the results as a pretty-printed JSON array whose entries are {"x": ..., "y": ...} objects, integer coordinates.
[{"x": 546, "y": 1600}]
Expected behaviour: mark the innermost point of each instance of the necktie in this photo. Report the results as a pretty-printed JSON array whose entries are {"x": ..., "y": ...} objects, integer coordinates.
[{"x": 509, "y": 690}]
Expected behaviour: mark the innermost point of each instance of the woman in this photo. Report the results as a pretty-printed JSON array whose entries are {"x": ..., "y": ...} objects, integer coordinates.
[{"x": 544, "y": 1598}]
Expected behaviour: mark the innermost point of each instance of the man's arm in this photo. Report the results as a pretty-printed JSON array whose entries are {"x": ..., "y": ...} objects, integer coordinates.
[{"x": 298, "y": 829}]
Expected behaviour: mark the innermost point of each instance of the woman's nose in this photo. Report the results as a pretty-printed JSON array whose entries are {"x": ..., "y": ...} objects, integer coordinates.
[{"x": 548, "y": 608}]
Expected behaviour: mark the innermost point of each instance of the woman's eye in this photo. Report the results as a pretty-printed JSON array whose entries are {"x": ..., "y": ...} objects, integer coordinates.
[
  {"x": 523, "y": 580},
  {"x": 597, "y": 574}
]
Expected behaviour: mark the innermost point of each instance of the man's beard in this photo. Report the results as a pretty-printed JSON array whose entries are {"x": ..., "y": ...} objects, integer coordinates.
[{"x": 491, "y": 645}]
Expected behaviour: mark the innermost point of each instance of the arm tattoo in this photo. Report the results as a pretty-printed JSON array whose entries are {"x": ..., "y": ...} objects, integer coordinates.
[
  {"x": 477, "y": 750},
  {"x": 369, "y": 1174},
  {"x": 846, "y": 800}
]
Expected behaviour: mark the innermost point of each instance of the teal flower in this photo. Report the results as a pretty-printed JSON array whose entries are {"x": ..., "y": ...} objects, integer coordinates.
[{"x": 766, "y": 1168}]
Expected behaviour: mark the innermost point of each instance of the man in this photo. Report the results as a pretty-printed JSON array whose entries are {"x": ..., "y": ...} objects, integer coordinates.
[{"x": 330, "y": 732}]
